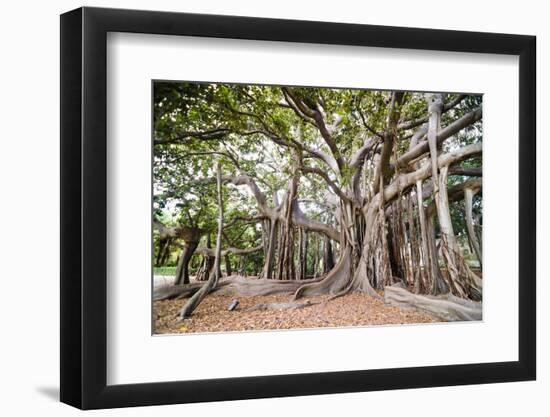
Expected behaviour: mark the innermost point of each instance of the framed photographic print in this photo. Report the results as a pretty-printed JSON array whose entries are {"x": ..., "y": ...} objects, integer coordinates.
[{"x": 257, "y": 208}]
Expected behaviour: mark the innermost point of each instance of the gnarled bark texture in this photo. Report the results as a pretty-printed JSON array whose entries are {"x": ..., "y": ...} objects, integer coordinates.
[
  {"x": 390, "y": 224},
  {"x": 445, "y": 307}
]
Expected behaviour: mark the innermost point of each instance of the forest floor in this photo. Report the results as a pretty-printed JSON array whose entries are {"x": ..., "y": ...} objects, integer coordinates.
[{"x": 212, "y": 314}]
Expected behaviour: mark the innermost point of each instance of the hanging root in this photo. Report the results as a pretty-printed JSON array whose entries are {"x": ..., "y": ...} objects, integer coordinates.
[
  {"x": 445, "y": 307},
  {"x": 476, "y": 286}
]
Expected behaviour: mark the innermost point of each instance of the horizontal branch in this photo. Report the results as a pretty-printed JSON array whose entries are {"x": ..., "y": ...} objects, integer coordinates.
[
  {"x": 443, "y": 134},
  {"x": 410, "y": 124},
  {"x": 456, "y": 192},
  {"x": 404, "y": 181},
  {"x": 298, "y": 217},
  {"x": 243, "y": 179},
  {"x": 184, "y": 232},
  {"x": 301, "y": 220},
  {"x": 210, "y": 252}
]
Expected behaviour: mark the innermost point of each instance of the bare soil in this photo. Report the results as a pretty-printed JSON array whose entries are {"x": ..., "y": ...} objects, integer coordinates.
[{"x": 354, "y": 309}]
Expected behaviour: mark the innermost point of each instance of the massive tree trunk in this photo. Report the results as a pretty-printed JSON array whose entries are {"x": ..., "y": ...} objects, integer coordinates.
[
  {"x": 365, "y": 256},
  {"x": 286, "y": 268},
  {"x": 335, "y": 281},
  {"x": 371, "y": 269}
]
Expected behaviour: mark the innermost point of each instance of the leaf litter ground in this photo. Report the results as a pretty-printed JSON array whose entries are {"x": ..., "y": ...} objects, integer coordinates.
[{"x": 212, "y": 314}]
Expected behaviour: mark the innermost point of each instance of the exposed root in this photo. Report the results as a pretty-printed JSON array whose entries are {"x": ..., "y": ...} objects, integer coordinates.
[
  {"x": 170, "y": 292},
  {"x": 233, "y": 285},
  {"x": 447, "y": 307},
  {"x": 361, "y": 281},
  {"x": 335, "y": 281},
  {"x": 476, "y": 286}
]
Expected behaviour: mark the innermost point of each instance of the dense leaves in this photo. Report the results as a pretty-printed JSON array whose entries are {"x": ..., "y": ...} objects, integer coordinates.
[{"x": 335, "y": 144}]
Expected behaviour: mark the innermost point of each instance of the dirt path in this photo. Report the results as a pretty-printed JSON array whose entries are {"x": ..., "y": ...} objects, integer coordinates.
[{"x": 212, "y": 315}]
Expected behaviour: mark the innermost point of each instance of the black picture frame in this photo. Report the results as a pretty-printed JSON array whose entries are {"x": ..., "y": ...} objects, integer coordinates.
[{"x": 84, "y": 207}]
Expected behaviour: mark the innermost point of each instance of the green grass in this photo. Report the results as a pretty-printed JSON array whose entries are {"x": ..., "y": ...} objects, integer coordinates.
[{"x": 165, "y": 270}]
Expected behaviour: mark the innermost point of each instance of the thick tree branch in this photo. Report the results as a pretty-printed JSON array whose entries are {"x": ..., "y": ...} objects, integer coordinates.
[
  {"x": 210, "y": 252},
  {"x": 317, "y": 116},
  {"x": 410, "y": 124},
  {"x": 443, "y": 134},
  {"x": 299, "y": 219},
  {"x": 297, "y": 107},
  {"x": 356, "y": 160},
  {"x": 180, "y": 232},
  {"x": 383, "y": 168},
  {"x": 404, "y": 181},
  {"x": 456, "y": 192},
  {"x": 243, "y": 179}
]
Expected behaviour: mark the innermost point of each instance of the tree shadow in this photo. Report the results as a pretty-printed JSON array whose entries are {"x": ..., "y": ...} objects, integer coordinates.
[{"x": 50, "y": 392}]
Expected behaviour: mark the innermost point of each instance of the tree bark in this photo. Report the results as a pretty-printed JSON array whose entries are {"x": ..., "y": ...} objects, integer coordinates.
[
  {"x": 428, "y": 273},
  {"x": 472, "y": 236},
  {"x": 272, "y": 247},
  {"x": 234, "y": 286},
  {"x": 373, "y": 249},
  {"x": 328, "y": 255},
  {"x": 447, "y": 307},
  {"x": 215, "y": 276},
  {"x": 182, "y": 270},
  {"x": 228, "y": 270},
  {"x": 286, "y": 269}
]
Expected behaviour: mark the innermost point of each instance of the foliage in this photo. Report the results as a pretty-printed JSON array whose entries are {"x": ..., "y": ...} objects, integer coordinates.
[{"x": 255, "y": 131}]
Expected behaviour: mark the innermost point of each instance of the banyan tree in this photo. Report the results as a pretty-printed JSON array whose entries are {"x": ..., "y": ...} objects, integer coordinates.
[{"x": 320, "y": 191}]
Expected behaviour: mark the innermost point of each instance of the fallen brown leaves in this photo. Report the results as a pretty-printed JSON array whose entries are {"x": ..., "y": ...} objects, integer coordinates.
[{"x": 212, "y": 315}]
